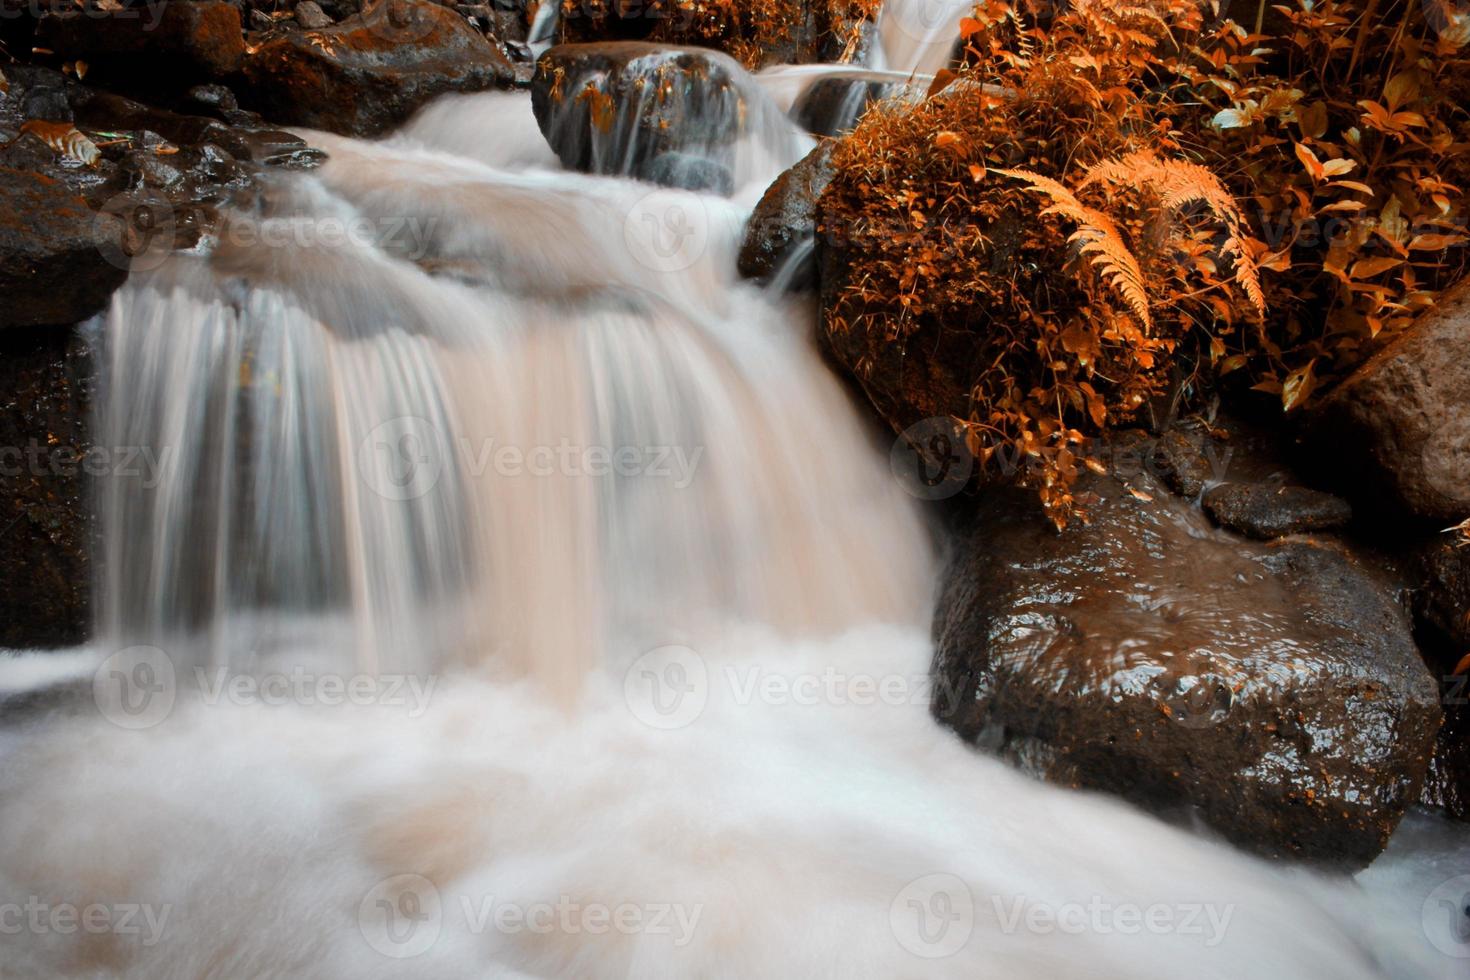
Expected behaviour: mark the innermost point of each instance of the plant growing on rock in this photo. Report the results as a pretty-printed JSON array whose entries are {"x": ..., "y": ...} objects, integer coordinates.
[
  {"x": 754, "y": 32},
  {"x": 1044, "y": 217},
  {"x": 1132, "y": 198}
]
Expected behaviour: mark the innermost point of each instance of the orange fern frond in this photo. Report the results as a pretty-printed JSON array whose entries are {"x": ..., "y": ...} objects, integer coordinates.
[{"x": 1098, "y": 237}]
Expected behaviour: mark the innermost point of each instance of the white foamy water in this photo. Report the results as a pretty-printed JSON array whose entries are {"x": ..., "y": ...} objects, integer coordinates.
[{"x": 523, "y": 597}]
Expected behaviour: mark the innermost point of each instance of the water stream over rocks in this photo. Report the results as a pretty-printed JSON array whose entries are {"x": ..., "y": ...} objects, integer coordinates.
[{"x": 517, "y": 594}]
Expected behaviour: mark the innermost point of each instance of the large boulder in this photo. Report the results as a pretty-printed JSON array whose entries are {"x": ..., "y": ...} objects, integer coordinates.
[
  {"x": 664, "y": 114},
  {"x": 54, "y": 258},
  {"x": 784, "y": 222},
  {"x": 1272, "y": 691},
  {"x": 1402, "y": 420},
  {"x": 182, "y": 41},
  {"x": 372, "y": 71}
]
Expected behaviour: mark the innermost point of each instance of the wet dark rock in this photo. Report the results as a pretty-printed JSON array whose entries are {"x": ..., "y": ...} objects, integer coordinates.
[
  {"x": 690, "y": 173},
  {"x": 618, "y": 108},
  {"x": 372, "y": 71},
  {"x": 1402, "y": 420},
  {"x": 1447, "y": 784},
  {"x": 171, "y": 43},
  {"x": 1442, "y": 592},
  {"x": 46, "y": 381},
  {"x": 785, "y": 220},
  {"x": 832, "y": 106},
  {"x": 52, "y": 265},
  {"x": 1186, "y": 469},
  {"x": 1265, "y": 511},
  {"x": 217, "y": 98},
  {"x": 1274, "y": 692},
  {"x": 310, "y": 16}
]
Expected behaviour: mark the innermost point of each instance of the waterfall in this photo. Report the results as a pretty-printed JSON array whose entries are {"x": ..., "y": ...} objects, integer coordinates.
[
  {"x": 652, "y": 605},
  {"x": 449, "y": 411}
]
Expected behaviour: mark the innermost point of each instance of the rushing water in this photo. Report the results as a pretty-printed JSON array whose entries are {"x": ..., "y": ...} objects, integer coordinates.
[{"x": 634, "y": 611}]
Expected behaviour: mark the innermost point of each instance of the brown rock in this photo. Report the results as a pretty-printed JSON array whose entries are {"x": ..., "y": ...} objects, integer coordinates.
[
  {"x": 1274, "y": 692},
  {"x": 1265, "y": 511},
  {"x": 53, "y": 267},
  {"x": 197, "y": 40},
  {"x": 372, "y": 71},
  {"x": 785, "y": 220},
  {"x": 1402, "y": 420}
]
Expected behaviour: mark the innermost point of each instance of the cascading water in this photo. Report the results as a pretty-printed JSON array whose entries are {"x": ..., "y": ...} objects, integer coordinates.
[
  {"x": 443, "y": 410},
  {"x": 521, "y": 420}
]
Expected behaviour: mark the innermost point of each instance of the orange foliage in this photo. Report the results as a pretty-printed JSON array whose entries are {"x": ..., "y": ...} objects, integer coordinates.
[{"x": 1122, "y": 200}]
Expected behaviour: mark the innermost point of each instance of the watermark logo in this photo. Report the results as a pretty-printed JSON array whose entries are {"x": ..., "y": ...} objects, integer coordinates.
[
  {"x": 1101, "y": 917},
  {"x": 136, "y": 688},
  {"x": 402, "y": 459},
  {"x": 933, "y": 916},
  {"x": 667, "y": 688},
  {"x": 667, "y": 230},
  {"x": 1446, "y": 917},
  {"x": 930, "y": 459},
  {"x": 402, "y": 916},
  {"x": 135, "y": 231},
  {"x": 401, "y": 21},
  {"x": 929, "y": 21},
  {"x": 39, "y": 918}
]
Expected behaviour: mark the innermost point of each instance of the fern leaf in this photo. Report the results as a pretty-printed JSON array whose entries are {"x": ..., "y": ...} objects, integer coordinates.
[{"x": 1098, "y": 238}]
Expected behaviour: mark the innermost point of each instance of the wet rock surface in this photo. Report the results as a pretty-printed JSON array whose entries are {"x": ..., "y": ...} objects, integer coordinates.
[
  {"x": 637, "y": 110},
  {"x": 46, "y": 382},
  {"x": 785, "y": 220},
  {"x": 1273, "y": 691},
  {"x": 169, "y": 43},
  {"x": 1264, "y": 511},
  {"x": 370, "y": 72},
  {"x": 53, "y": 262},
  {"x": 1401, "y": 422}
]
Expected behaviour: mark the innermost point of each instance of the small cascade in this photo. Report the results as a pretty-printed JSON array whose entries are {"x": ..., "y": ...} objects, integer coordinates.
[{"x": 426, "y": 409}]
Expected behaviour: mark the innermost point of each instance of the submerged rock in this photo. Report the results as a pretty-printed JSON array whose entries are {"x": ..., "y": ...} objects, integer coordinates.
[
  {"x": 634, "y": 109},
  {"x": 1274, "y": 691},
  {"x": 373, "y": 70},
  {"x": 1265, "y": 511},
  {"x": 1402, "y": 420},
  {"x": 785, "y": 221}
]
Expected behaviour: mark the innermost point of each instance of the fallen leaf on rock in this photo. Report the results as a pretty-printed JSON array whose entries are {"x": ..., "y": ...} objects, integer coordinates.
[{"x": 65, "y": 139}]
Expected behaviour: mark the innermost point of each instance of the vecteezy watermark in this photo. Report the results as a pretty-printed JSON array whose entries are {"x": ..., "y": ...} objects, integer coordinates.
[
  {"x": 1100, "y": 916},
  {"x": 402, "y": 21},
  {"x": 136, "y": 688},
  {"x": 667, "y": 688},
  {"x": 405, "y": 458},
  {"x": 667, "y": 230},
  {"x": 299, "y": 686},
  {"x": 149, "y": 13},
  {"x": 403, "y": 917},
  {"x": 931, "y": 460},
  {"x": 933, "y": 916},
  {"x": 39, "y": 917},
  {"x": 1446, "y": 917},
  {"x": 143, "y": 463},
  {"x": 136, "y": 230}
]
